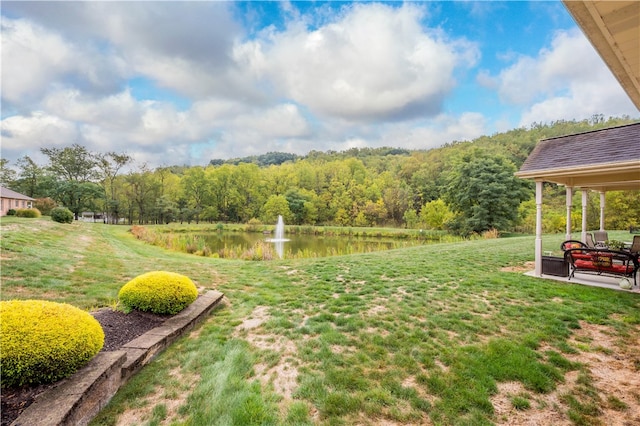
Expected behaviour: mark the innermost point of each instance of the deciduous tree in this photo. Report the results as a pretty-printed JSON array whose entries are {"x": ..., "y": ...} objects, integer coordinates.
[
  {"x": 110, "y": 165},
  {"x": 484, "y": 193}
]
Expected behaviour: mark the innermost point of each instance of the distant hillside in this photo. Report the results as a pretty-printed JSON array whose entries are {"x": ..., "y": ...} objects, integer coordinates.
[
  {"x": 514, "y": 144},
  {"x": 463, "y": 186}
]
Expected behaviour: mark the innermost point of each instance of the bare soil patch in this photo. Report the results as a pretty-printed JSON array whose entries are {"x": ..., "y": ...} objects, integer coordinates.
[
  {"x": 284, "y": 374},
  {"x": 613, "y": 368},
  {"x": 528, "y": 266},
  {"x": 172, "y": 404}
]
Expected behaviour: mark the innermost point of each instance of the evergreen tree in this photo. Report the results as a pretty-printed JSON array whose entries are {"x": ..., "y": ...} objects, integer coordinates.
[{"x": 484, "y": 193}]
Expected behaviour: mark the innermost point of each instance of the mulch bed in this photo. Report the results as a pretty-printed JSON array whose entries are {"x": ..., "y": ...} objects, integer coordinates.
[{"x": 119, "y": 328}]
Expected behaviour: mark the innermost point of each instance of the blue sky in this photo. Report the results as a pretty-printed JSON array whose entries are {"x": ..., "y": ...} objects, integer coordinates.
[{"x": 187, "y": 82}]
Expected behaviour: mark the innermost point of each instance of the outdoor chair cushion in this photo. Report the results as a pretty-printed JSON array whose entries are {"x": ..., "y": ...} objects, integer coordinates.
[
  {"x": 602, "y": 261},
  {"x": 618, "y": 269}
]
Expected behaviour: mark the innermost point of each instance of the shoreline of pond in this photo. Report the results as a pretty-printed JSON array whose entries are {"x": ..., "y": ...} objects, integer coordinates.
[{"x": 249, "y": 241}]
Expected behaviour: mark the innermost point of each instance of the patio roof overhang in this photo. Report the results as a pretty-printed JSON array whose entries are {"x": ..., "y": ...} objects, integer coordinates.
[
  {"x": 603, "y": 177},
  {"x": 613, "y": 28},
  {"x": 601, "y": 160}
]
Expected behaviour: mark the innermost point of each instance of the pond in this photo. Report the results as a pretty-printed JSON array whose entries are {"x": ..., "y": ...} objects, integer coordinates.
[{"x": 298, "y": 246}]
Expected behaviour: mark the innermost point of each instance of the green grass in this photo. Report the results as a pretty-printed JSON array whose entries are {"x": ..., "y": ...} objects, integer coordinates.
[{"x": 406, "y": 336}]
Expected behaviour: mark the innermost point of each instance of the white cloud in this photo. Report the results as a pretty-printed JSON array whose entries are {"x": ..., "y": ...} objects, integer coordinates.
[
  {"x": 23, "y": 133},
  {"x": 531, "y": 78},
  {"x": 119, "y": 111},
  {"x": 36, "y": 57},
  {"x": 374, "y": 61},
  {"x": 442, "y": 129},
  {"x": 281, "y": 121},
  {"x": 327, "y": 77},
  {"x": 566, "y": 81}
]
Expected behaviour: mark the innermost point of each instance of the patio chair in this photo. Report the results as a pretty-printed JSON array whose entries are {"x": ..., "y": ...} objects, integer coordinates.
[
  {"x": 600, "y": 236},
  {"x": 635, "y": 246},
  {"x": 589, "y": 241}
]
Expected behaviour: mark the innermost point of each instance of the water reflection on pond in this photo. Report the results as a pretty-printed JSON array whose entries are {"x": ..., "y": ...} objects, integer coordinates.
[{"x": 305, "y": 245}]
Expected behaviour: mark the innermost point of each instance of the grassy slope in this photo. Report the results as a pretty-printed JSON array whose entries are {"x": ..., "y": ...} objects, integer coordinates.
[{"x": 404, "y": 335}]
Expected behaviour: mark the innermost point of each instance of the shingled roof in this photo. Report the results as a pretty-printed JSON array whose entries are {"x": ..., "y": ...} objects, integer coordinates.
[
  {"x": 606, "y": 159},
  {"x": 7, "y": 193}
]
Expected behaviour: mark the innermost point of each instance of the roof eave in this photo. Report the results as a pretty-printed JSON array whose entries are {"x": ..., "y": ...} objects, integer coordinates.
[
  {"x": 599, "y": 34},
  {"x": 622, "y": 176},
  {"x": 627, "y": 166}
]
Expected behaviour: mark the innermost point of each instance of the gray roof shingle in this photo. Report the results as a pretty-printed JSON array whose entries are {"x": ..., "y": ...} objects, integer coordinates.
[
  {"x": 7, "y": 193},
  {"x": 612, "y": 145}
]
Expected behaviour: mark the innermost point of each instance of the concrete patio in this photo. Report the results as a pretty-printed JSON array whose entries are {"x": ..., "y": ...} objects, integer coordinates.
[{"x": 587, "y": 279}]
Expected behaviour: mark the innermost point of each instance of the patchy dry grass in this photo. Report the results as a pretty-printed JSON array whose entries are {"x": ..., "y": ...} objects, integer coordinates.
[{"x": 440, "y": 334}]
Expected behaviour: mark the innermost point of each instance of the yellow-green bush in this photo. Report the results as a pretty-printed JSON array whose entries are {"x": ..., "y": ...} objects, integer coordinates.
[
  {"x": 32, "y": 213},
  {"x": 43, "y": 342},
  {"x": 159, "y": 292}
]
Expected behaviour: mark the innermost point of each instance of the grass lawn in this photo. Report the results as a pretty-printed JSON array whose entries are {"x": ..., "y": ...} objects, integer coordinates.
[{"x": 443, "y": 334}]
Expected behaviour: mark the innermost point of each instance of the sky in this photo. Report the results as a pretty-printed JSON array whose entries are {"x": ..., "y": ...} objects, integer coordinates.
[{"x": 182, "y": 83}]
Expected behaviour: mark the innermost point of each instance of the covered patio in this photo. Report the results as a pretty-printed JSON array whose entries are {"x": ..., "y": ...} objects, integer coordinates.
[{"x": 601, "y": 160}]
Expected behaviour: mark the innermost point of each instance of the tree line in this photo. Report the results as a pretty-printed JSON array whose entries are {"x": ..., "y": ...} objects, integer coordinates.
[{"x": 463, "y": 187}]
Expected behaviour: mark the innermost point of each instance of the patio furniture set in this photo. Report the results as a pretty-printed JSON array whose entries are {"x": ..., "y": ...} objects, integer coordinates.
[{"x": 595, "y": 257}]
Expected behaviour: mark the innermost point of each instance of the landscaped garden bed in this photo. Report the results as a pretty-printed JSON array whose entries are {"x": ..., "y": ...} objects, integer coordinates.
[{"x": 119, "y": 328}]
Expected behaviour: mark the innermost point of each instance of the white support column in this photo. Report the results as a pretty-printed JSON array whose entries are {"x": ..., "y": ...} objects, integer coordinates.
[
  {"x": 538, "y": 248},
  {"x": 585, "y": 198},
  {"x": 602, "y": 205},
  {"x": 569, "y": 205}
]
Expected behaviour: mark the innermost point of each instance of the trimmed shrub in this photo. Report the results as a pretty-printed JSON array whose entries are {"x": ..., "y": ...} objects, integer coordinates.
[
  {"x": 43, "y": 342},
  {"x": 11, "y": 212},
  {"x": 32, "y": 213},
  {"x": 159, "y": 292},
  {"x": 62, "y": 215}
]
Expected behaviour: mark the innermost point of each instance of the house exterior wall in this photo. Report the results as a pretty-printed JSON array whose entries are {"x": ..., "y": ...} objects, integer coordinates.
[{"x": 7, "y": 204}]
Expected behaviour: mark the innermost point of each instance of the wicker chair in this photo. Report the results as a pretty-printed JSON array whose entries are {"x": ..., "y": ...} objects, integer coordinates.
[
  {"x": 600, "y": 236},
  {"x": 635, "y": 246}
]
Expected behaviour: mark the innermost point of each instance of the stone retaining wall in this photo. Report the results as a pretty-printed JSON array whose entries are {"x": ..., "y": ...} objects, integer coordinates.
[{"x": 75, "y": 401}]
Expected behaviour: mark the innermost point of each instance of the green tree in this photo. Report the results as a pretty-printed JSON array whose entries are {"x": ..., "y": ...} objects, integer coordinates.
[
  {"x": 74, "y": 163},
  {"x": 435, "y": 214},
  {"x": 141, "y": 189},
  {"x": 397, "y": 200},
  {"x": 411, "y": 219},
  {"x": 196, "y": 190},
  {"x": 276, "y": 205},
  {"x": 484, "y": 193},
  {"x": 74, "y": 168},
  {"x": 375, "y": 213},
  {"x": 249, "y": 187},
  {"x": 7, "y": 174},
  {"x": 225, "y": 197},
  {"x": 77, "y": 196},
  {"x": 166, "y": 210},
  {"x": 31, "y": 177},
  {"x": 110, "y": 165},
  {"x": 622, "y": 210},
  {"x": 297, "y": 200},
  {"x": 210, "y": 214}
]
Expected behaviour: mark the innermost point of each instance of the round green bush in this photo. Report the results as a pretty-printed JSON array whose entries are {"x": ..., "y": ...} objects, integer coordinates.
[
  {"x": 32, "y": 213},
  {"x": 62, "y": 215},
  {"x": 11, "y": 212},
  {"x": 159, "y": 292},
  {"x": 43, "y": 342}
]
